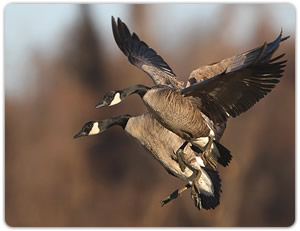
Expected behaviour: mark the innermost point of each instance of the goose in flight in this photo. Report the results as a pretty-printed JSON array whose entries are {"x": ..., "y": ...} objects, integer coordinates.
[
  {"x": 219, "y": 154},
  {"x": 226, "y": 88},
  {"x": 144, "y": 129},
  {"x": 171, "y": 142}
]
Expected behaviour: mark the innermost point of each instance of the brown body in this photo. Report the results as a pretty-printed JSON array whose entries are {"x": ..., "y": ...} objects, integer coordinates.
[
  {"x": 176, "y": 113},
  {"x": 160, "y": 142}
]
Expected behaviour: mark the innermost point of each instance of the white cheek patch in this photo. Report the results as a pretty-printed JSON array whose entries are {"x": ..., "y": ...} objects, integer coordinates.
[
  {"x": 116, "y": 100},
  {"x": 95, "y": 129}
]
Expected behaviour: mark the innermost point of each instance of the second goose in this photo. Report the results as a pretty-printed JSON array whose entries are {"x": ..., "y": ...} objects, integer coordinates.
[{"x": 206, "y": 188}]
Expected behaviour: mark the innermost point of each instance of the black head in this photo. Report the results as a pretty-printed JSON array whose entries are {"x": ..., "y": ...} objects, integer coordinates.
[
  {"x": 90, "y": 128},
  {"x": 97, "y": 126},
  {"x": 110, "y": 98}
]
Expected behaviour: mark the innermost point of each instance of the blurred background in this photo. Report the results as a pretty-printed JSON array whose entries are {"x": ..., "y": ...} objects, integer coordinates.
[{"x": 60, "y": 59}]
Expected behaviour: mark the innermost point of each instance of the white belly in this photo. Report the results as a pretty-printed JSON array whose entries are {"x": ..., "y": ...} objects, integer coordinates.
[{"x": 201, "y": 142}]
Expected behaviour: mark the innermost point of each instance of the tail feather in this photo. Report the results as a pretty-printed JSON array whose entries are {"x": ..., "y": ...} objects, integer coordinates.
[
  {"x": 224, "y": 156},
  {"x": 211, "y": 201}
]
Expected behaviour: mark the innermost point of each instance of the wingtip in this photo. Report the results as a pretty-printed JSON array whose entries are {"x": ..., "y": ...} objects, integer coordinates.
[
  {"x": 116, "y": 22},
  {"x": 113, "y": 22},
  {"x": 119, "y": 21},
  {"x": 284, "y": 38}
]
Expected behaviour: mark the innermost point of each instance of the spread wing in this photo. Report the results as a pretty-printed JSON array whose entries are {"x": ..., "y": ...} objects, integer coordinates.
[
  {"x": 140, "y": 54},
  {"x": 232, "y": 63},
  {"x": 247, "y": 79}
]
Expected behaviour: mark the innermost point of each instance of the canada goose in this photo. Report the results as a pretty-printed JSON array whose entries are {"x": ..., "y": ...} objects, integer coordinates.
[
  {"x": 145, "y": 58},
  {"x": 144, "y": 129},
  {"x": 219, "y": 153},
  {"x": 230, "y": 88}
]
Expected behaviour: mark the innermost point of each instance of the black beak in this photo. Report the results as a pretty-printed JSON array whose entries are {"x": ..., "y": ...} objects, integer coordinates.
[
  {"x": 101, "y": 104},
  {"x": 81, "y": 133}
]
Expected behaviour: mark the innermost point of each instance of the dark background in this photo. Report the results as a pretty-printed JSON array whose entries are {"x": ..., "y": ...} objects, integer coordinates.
[{"x": 109, "y": 180}]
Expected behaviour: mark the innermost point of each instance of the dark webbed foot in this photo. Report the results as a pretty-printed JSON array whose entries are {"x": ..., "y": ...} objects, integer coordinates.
[
  {"x": 207, "y": 158},
  {"x": 196, "y": 197},
  {"x": 180, "y": 159},
  {"x": 206, "y": 154},
  {"x": 193, "y": 163},
  {"x": 180, "y": 156},
  {"x": 174, "y": 195},
  {"x": 174, "y": 156},
  {"x": 195, "y": 192}
]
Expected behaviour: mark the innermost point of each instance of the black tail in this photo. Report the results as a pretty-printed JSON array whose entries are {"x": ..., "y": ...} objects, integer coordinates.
[
  {"x": 225, "y": 156},
  {"x": 220, "y": 154},
  {"x": 211, "y": 202}
]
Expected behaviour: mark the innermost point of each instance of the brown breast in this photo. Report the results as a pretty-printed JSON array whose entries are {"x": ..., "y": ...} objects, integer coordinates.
[{"x": 176, "y": 113}]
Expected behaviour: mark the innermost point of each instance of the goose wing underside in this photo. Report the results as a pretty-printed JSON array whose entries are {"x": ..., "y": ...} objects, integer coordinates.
[
  {"x": 244, "y": 82},
  {"x": 234, "y": 63},
  {"x": 140, "y": 54}
]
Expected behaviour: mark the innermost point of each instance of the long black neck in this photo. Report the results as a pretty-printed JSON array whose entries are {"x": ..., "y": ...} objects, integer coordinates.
[
  {"x": 139, "y": 89},
  {"x": 116, "y": 120}
]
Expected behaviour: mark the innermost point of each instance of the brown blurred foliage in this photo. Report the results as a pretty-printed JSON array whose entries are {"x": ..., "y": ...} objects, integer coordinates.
[{"x": 108, "y": 180}]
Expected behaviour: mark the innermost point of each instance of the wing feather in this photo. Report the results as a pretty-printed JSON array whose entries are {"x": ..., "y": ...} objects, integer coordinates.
[
  {"x": 140, "y": 54},
  {"x": 259, "y": 54},
  {"x": 234, "y": 92}
]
